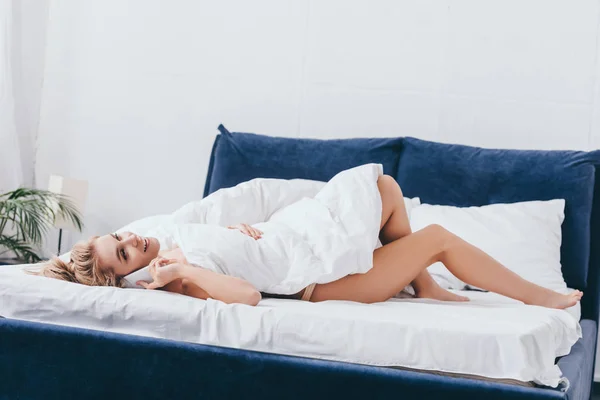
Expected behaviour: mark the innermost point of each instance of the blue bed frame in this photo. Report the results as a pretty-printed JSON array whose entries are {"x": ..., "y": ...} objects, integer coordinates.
[{"x": 45, "y": 361}]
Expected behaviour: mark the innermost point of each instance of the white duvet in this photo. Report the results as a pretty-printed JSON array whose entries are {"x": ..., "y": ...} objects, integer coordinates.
[{"x": 306, "y": 239}]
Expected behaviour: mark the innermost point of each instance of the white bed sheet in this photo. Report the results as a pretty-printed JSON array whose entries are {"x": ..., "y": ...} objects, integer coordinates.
[{"x": 491, "y": 336}]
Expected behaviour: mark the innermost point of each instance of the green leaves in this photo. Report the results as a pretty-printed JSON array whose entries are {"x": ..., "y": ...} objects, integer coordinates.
[
  {"x": 22, "y": 250},
  {"x": 31, "y": 213}
]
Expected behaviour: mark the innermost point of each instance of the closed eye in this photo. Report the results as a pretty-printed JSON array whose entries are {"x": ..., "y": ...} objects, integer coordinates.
[{"x": 123, "y": 254}]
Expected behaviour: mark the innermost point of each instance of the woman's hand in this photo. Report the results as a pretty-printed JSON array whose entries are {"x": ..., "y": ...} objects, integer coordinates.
[
  {"x": 247, "y": 230},
  {"x": 163, "y": 272}
]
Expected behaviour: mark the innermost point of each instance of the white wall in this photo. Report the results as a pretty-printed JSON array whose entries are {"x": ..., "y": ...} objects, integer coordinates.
[{"x": 134, "y": 89}]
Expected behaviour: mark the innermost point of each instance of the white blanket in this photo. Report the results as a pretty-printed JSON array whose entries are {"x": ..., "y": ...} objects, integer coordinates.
[{"x": 316, "y": 239}]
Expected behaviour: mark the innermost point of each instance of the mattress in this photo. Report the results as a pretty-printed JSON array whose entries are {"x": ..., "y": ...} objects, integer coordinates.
[{"x": 490, "y": 336}]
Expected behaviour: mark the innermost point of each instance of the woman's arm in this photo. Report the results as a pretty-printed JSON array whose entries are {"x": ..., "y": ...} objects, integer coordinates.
[
  {"x": 198, "y": 282},
  {"x": 184, "y": 286}
]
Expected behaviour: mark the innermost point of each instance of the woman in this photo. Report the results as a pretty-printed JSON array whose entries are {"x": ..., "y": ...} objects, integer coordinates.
[{"x": 401, "y": 260}]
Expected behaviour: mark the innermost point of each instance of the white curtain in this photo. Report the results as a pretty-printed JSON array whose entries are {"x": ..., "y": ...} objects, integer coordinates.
[{"x": 11, "y": 174}]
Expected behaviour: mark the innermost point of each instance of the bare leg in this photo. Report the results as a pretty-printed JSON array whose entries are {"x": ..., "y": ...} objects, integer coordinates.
[
  {"x": 416, "y": 252},
  {"x": 477, "y": 268},
  {"x": 395, "y": 225}
]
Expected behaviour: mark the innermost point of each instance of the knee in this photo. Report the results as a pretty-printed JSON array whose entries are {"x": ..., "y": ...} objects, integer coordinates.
[
  {"x": 386, "y": 180},
  {"x": 441, "y": 238},
  {"x": 388, "y": 184},
  {"x": 436, "y": 230}
]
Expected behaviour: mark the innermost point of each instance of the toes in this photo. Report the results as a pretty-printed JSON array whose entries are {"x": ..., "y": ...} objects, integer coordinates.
[{"x": 575, "y": 296}]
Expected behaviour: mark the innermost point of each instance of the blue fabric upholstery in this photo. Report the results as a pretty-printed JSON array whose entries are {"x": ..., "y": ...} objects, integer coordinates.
[
  {"x": 238, "y": 157},
  {"x": 43, "y": 361},
  {"x": 590, "y": 304},
  {"x": 578, "y": 366}
]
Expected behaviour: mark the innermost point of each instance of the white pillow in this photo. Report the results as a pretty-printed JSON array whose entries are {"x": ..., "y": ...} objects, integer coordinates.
[
  {"x": 525, "y": 237},
  {"x": 411, "y": 204}
]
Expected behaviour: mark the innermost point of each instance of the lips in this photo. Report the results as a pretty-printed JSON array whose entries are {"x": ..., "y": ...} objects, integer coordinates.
[{"x": 145, "y": 244}]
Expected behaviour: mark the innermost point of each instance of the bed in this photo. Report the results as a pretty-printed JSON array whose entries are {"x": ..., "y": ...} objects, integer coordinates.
[{"x": 51, "y": 360}]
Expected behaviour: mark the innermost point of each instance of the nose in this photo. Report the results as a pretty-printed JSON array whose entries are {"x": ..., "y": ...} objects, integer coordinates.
[{"x": 133, "y": 239}]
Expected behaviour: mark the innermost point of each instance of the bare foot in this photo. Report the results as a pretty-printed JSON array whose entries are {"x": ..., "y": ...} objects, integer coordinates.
[
  {"x": 558, "y": 300},
  {"x": 437, "y": 293}
]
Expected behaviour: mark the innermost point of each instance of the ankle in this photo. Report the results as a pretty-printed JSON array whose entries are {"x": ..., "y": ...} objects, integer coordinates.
[
  {"x": 540, "y": 298},
  {"x": 427, "y": 287}
]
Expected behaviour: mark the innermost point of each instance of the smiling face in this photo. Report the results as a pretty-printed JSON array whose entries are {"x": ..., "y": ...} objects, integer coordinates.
[{"x": 125, "y": 252}]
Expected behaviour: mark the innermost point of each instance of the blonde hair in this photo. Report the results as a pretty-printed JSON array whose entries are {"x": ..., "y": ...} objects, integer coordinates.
[{"x": 82, "y": 268}]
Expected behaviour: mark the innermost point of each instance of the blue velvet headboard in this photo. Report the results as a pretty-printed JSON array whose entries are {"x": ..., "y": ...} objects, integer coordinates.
[
  {"x": 238, "y": 157},
  {"x": 439, "y": 174}
]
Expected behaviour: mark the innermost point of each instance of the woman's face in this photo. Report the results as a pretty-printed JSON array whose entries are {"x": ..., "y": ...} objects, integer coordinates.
[{"x": 125, "y": 252}]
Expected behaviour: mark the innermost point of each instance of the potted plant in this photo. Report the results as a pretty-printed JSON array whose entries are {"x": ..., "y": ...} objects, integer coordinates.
[{"x": 25, "y": 217}]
